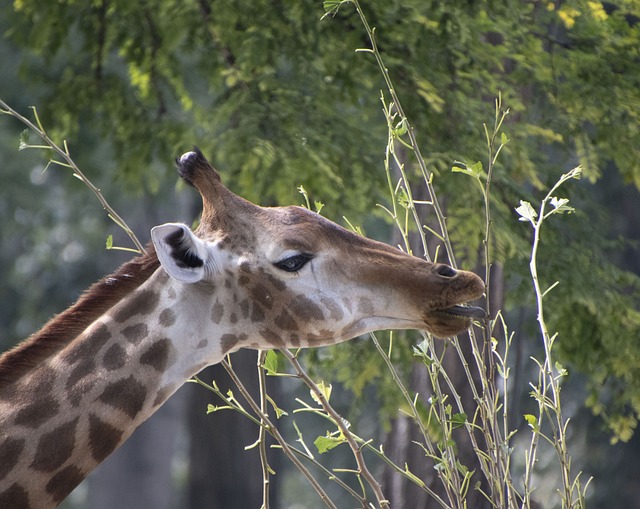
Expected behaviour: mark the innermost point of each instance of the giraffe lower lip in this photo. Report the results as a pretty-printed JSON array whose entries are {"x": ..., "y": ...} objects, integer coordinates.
[{"x": 467, "y": 311}]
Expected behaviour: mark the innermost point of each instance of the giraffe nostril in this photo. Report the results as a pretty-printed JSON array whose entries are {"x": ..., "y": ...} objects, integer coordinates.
[{"x": 445, "y": 270}]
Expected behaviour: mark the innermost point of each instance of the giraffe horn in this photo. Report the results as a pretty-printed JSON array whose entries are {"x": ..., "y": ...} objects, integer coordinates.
[{"x": 196, "y": 171}]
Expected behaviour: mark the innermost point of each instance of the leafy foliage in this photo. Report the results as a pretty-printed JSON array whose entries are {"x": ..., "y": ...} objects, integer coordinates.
[{"x": 280, "y": 98}]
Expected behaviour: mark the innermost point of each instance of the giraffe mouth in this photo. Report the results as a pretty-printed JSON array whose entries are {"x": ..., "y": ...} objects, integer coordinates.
[{"x": 465, "y": 311}]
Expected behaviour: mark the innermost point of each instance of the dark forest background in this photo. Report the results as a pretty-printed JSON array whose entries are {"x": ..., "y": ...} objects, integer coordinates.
[{"x": 277, "y": 97}]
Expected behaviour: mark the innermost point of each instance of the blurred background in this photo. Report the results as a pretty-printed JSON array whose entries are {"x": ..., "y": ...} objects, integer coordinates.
[{"x": 277, "y": 97}]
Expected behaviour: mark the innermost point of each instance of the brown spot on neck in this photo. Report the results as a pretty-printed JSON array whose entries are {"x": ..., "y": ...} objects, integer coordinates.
[
  {"x": 64, "y": 482},
  {"x": 10, "y": 451},
  {"x": 158, "y": 355},
  {"x": 15, "y": 497},
  {"x": 136, "y": 333},
  {"x": 37, "y": 412},
  {"x": 167, "y": 317},
  {"x": 142, "y": 303},
  {"x": 103, "y": 438},
  {"x": 127, "y": 395},
  {"x": 55, "y": 447},
  {"x": 65, "y": 327},
  {"x": 114, "y": 358}
]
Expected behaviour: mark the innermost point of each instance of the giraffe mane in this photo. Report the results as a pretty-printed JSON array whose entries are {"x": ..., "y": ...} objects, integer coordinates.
[{"x": 60, "y": 330}]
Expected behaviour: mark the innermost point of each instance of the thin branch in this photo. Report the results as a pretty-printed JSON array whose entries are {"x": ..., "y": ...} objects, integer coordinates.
[
  {"x": 340, "y": 423},
  {"x": 273, "y": 431},
  {"x": 262, "y": 438}
]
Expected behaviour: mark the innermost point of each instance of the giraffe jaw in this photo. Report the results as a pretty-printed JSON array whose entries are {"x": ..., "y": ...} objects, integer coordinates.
[{"x": 448, "y": 322}]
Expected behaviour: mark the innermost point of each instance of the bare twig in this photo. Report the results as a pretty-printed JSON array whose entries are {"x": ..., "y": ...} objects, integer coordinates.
[
  {"x": 273, "y": 431},
  {"x": 339, "y": 422},
  {"x": 262, "y": 438}
]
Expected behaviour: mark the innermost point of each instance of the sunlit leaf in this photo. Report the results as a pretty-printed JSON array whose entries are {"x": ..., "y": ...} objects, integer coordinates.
[
  {"x": 325, "y": 390},
  {"x": 526, "y": 211}
]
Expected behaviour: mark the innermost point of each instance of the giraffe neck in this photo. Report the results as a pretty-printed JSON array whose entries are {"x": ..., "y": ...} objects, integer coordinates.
[{"x": 63, "y": 417}]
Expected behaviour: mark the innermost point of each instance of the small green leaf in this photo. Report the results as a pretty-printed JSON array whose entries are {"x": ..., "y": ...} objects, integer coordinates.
[
  {"x": 211, "y": 409},
  {"x": 560, "y": 205},
  {"x": 503, "y": 138},
  {"x": 400, "y": 128},
  {"x": 562, "y": 371},
  {"x": 458, "y": 420},
  {"x": 403, "y": 198},
  {"x": 318, "y": 205},
  {"x": 526, "y": 212},
  {"x": 463, "y": 469},
  {"x": 325, "y": 390},
  {"x": 328, "y": 442},
  {"x": 422, "y": 351},
  {"x": 24, "y": 139},
  {"x": 475, "y": 170},
  {"x": 532, "y": 421},
  {"x": 110, "y": 242},
  {"x": 273, "y": 363},
  {"x": 575, "y": 173}
]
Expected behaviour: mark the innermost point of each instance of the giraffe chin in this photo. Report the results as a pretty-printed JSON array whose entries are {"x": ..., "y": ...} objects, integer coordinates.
[
  {"x": 445, "y": 323},
  {"x": 376, "y": 323}
]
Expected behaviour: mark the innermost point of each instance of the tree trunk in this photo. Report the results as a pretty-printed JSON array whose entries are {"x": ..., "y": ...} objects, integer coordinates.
[{"x": 222, "y": 473}]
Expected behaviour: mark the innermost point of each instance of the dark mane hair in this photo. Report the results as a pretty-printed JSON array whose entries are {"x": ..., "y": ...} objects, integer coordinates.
[{"x": 66, "y": 326}]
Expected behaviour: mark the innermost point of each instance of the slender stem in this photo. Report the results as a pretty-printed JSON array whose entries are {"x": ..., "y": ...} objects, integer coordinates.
[
  {"x": 394, "y": 375},
  {"x": 340, "y": 423},
  {"x": 549, "y": 378},
  {"x": 413, "y": 144},
  {"x": 273, "y": 430},
  {"x": 262, "y": 438}
]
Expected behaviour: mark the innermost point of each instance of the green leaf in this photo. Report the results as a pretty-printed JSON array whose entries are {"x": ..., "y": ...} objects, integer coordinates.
[
  {"x": 328, "y": 442},
  {"x": 562, "y": 371},
  {"x": 532, "y": 421},
  {"x": 463, "y": 469},
  {"x": 400, "y": 128},
  {"x": 475, "y": 170},
  {"x": 458, "y": 420},
  {"x": 422, "y": 351},
  {"x": 273, "y": 363},
  {"x": 526, "y": 212},
  {"x": 24, "y": 139},
  {"x": 403, "y": 198},
  {"x": 560, "y": 205},
  {"x": 332, "y": 6},
  {"x": 109, "y": 243},
  {"x": 325, "y": 390},
  {"x": 503, "y": 138}
]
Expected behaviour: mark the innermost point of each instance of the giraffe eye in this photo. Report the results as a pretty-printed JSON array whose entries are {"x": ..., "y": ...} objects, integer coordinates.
[{"x": 293, "y": 263}]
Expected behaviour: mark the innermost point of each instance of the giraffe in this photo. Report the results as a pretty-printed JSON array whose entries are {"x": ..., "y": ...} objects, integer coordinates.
[{"x": 247, "y": 277}]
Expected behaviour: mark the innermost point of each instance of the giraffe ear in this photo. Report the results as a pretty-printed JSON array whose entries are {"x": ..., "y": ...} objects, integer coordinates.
[{"x": 183, "y": 255}]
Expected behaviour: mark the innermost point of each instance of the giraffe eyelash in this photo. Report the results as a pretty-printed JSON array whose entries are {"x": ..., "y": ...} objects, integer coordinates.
[{"x": 293, "y": 263}]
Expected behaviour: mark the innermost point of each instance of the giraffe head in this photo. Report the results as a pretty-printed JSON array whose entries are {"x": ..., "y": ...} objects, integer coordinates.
[{"x": 294, "y": 278}]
